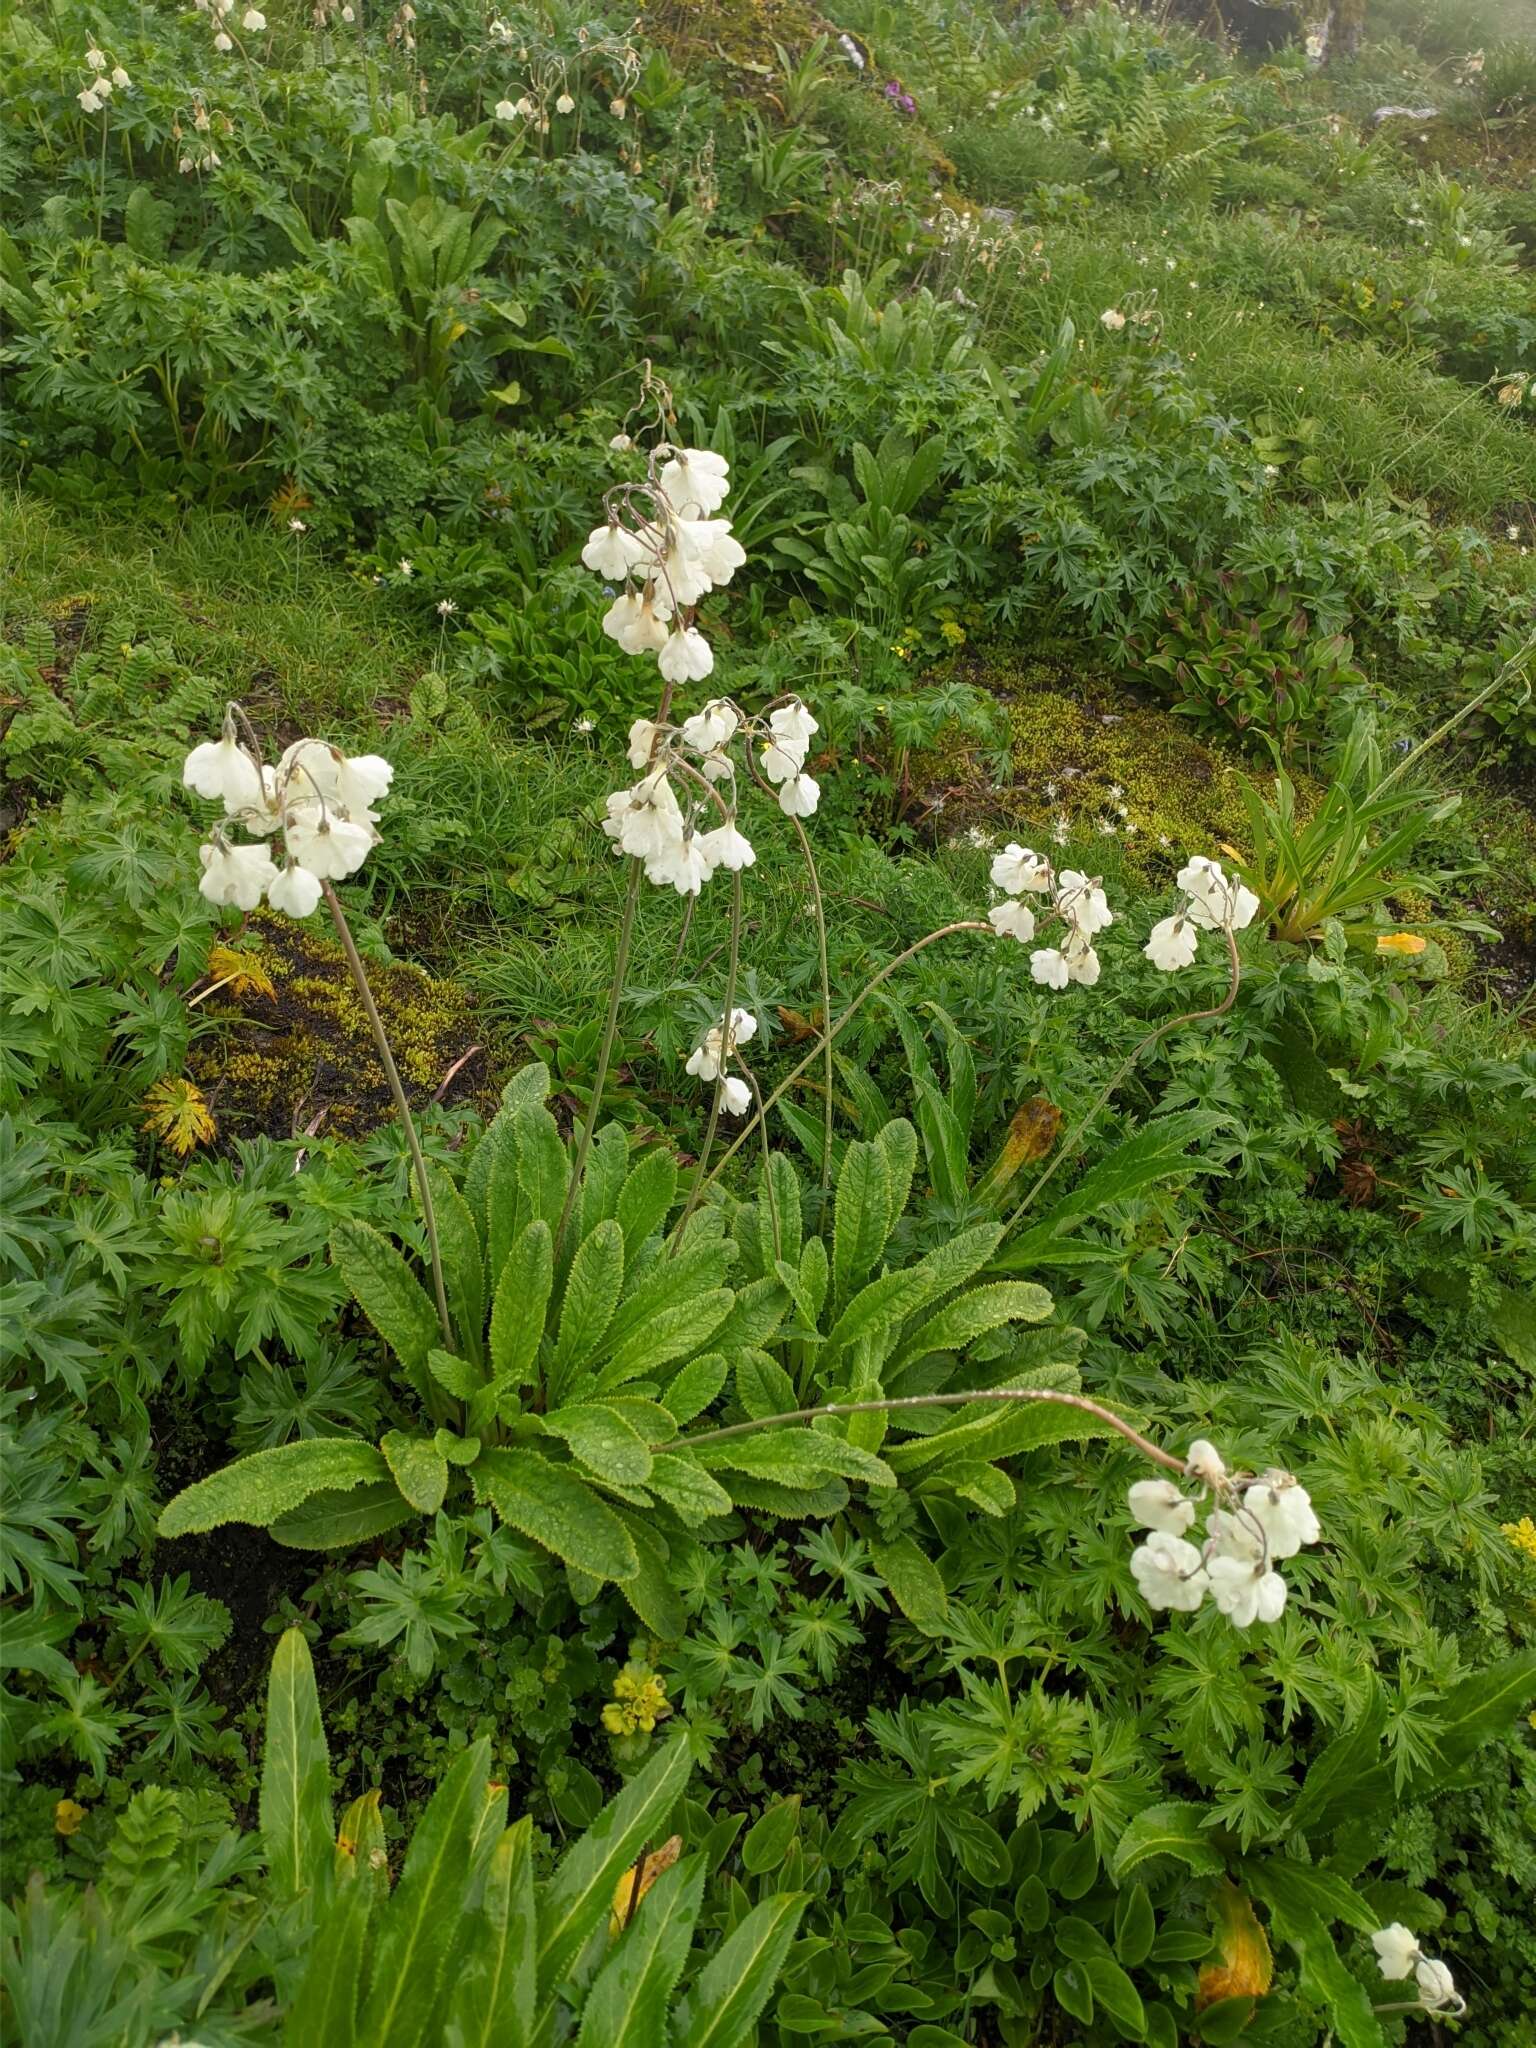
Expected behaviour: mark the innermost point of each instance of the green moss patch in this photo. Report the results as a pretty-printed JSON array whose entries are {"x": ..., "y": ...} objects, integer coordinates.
[{"x": 303, "y": 1059}]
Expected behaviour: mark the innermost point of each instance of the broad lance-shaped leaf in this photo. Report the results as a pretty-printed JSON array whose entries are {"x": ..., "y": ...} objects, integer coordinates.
[
  {"x": 649, "y": 1589},
  {"x": 578, "y": 1894},
  {"x": 417, "y": 1929},
  {"x": 645, "y": 1198},
  {"x": 686, "y": 1487},
  {"x": 628, "y": 2001},
  {"x": 295, "y": 1805},
  {"x": 267, "y": 1484},
  {"x": 420, "y": 1470},
  {"x": 492, "y": 2001},
  {"x": 389, "y": 1295},
  {"x": 520, "y": 1307},
  {"x": 341, "y": 1520},
  {"x": 795, "y": 1456},
  {"x": 913, "y": 1579},
  {"x": 603, "y": 1440},
  {"x": 323, "y": 2012},
  {"x": 738, "y": 1980},
  {"x": 554, "y": 1506},
  {"x": 591, "y": 1296},
  {"x": 861, "y": 1218},
  {"x": 463, "y": 1264},
  {"x": 972, "y": 1315}
]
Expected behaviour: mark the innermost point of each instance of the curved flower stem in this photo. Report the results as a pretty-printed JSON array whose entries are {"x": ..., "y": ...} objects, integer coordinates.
[
  {"x": 402, "y": 1107},
  {"x": 605, "y": 1054},
  {"x": 714, "y": 1106},
  {"x": 835, "y": 1031},
  {"x": 1143, "y": 1444},
  {"x": 1064, "y": 1151},
  {"x": 1456, "y": 718},
  {"x": 826, "y": 1005}
]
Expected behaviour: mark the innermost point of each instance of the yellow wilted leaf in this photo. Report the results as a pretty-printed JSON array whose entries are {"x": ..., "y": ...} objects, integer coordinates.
[
  {"x": 1246, "y": 1965},
  {"x": 1032, "y": 1132},
  {"x": 178, "y": 1114},
  {"x": 627, "y": 1895},
  {"x": 67, "y": 1817},
  {"x": 1401, "y": 942},
  {"x": 242, "y": 972}
]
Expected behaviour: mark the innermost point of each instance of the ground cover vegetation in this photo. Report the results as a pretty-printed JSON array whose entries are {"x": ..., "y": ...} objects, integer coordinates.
[{"x": 765, "y": 1070}]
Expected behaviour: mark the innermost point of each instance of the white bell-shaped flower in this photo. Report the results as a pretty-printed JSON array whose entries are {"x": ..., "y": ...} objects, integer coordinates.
[
  {"x": 1082, "y": 902},
  {"x": 1169, "y": 1573},
  {"x": 1437, "y": 1987},
  {"x": 1047, "y": 966},
  {"x": 686, "y": 656},
  {"x": 727, "y": 848},
  {"x": 695, "y": 480},
  {"x": 1245, "y": 1592},
  {"x": 650, "y": 823},
  {"x": 1082, "y": 962},
  {"x": 735, "y": 1096},
  {"x": 120, "y": 78},
  {"x": 682, "y": 574},
  {"x": 90, "y": 102},
  {"x": 799, "y": 796},
  {"x": 1205, "y": 1463},
  {"x": 684, "y": 865},
  {"x": 222, "y": 771},
  {"x": 95, "y": 59},
  {"x": 613, "y": 551},
  {"x": 237, "y": 875},
  {"x": 1019, "y": 872},
  {"x": 1236, "y": 1536},
  {"x": 565, "y": 104},
  {"x": 253, "y": 20},
  {"x": 505, "y": 111},
  {"x": 1013, "y": 920},
  {"x": 1158, "y": 1504},
  {"x": 714, "y": 726},
  {"x": 1172, "y": 944},
  {"x": 712, "y": 545},
  {"x": 793, "y": 727},
  {"x": 642, "y": 742},
  {"x": 296, "y": 891},
  {"x": 781, "y": 759},
  {"x": 329, "y": 845},
  {"x": 1396, "y": 1949},
  {"x": 1283, "y": 1509}
]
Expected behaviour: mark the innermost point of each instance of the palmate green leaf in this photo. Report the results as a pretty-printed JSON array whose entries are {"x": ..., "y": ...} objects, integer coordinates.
[
  {"x": 522, "y": 1301},
  {"x": 334, "y": 1520},
  {"x": 417, "y": 1927},
  {"x": 260, "y": 1488},
  {"x": 603, "y": 1440},
  {"x": 492, "y": 2001},
  {"x": 580, "y": 1893},
  {"x": 722, "y": 2008},
  {"x": 295, "y": 1805},
  {"x": 630, "y": 1997},
  {"x": 556, "y": 1508},
  {"x": 591, "y": 1296},
  {"x": 1172, "y": 1828},
  {"x": 389, "y": 1295}
]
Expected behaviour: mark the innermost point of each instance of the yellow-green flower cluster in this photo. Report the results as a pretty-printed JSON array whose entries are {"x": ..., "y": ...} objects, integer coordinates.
[
  {"x": 639, "y": 1701},
  {"x": 1522, "y": 1535}
]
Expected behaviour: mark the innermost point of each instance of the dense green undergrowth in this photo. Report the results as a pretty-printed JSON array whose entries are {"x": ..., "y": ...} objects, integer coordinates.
[{"x": 1115, "y": 418}]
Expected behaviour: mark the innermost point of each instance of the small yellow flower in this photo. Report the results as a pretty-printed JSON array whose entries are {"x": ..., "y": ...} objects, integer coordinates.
[
  {"x": 67, "y": 1817},
  {"x": 1522, "y": 1535},
  {"x": 639, "y": 1701},
  {"x": 1401, "y": 942}
]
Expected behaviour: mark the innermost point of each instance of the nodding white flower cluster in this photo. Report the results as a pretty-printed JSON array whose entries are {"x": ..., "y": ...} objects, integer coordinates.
[
  {"x": 712, "y": 1055},
  {"x": 318, "y": 798},
  {"x": 1398, "y": 1953},
  {"x": 668, "y": 559},
  {"x": 219, "y": 12},
  {"x": 648, "y": 822},
  {"x": 1078, "y": 900},
  {"x": 1213, "y": 902},
  {"x": 105, "y": 79},
  {"x": 1251, "y": 1524}
]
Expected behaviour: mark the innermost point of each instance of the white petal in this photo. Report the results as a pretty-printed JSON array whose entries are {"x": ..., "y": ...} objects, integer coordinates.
[{"x": 295, "y": 891}]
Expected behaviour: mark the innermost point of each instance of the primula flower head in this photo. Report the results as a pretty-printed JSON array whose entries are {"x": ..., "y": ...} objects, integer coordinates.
[
  {"x": 1013, "y": 920},
  {"x": 1018, "y": 871},
  {"x": 1168, "y": 1572},
  {"x": 1158, "y": 1504},
  {"x": 235, "y": 875},
  {"x": 1396, "y": 1949}
]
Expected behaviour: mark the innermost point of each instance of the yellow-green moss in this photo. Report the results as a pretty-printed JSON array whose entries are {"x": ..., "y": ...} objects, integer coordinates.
[
  {"x": 307, "y": 1052},
  {"x": 1074, "y": 740}
]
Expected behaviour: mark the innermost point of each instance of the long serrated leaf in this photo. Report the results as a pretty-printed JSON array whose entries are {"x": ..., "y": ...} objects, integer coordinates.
[
  {"x": 418, "y": 1467},
  {"x": 417, "y": 1929},
  {"x": 323, "y": 2013},
  {"x": 861, "y": 1218},
  {"x": 591, "y": 1296},
  {"x": 631, "y": 1994},
  {"x": 522, "y": 1302},
  {"x": 672, "y": 1332},
  {"x": 913, "y": 1579},
  {"x": 260, "y": 1488},
  {"x": 492, "y": 2003},
  {"x": 603, "y": 1440},
  {"x": 1172, "y": 1828},
  {"x": 645, "y": 1198},
  {"x": 578, "y": 1894},
  {"x": 722, "y": 2008},
  {"x": 556, "y": 1508},
  {"x": 389, "y": 1295},
  {"x": 463, "y": 1262},
  {"x": 295, "y": 1805},
  {"x": 1156, "y": 1152},
  {"x": 339, "y": 1521},
  {"x": 972, "y": 1314}
]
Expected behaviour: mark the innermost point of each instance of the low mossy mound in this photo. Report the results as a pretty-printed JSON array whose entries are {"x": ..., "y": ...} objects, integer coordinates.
[
  {"x": 1084, "y": 750},
  {"x": 298, "y": 1055}
]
